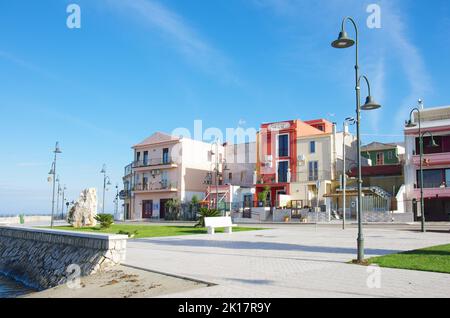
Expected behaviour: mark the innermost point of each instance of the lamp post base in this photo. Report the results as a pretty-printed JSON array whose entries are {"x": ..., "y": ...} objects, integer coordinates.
[{"x": 360, "y": 244}]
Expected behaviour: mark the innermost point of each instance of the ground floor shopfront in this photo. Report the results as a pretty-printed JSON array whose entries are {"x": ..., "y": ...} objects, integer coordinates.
[{"x": 437, "y": 209}]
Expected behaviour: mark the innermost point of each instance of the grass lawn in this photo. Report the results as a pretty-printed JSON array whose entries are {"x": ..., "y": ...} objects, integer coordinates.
[
  {"x": 152, "y": 230},
  {"x": 431, "y": 259}
]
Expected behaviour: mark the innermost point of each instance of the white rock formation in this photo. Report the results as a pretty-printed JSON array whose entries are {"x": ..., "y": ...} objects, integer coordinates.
[{"x": 85, "y": 209}]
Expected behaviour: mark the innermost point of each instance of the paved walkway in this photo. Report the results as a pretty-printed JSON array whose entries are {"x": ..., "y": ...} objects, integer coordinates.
[{"x": 290, "y": 261}]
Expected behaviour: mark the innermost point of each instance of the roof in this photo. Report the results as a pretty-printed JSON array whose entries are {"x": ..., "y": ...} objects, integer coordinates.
[
  {"x": 381, "y": 146},
  {"x": 157, "y": 138}
]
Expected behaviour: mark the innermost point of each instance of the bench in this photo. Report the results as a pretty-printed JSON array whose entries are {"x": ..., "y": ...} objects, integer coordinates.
[{"x": 217, "y": 222}]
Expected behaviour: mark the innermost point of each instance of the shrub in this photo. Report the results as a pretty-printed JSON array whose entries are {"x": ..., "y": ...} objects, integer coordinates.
[
  {"x": 105, "y": 220},
  {"x": 206, "y": 213},
  {"x": 129, "y": 234},
  {"x": 172, "y": 209}
]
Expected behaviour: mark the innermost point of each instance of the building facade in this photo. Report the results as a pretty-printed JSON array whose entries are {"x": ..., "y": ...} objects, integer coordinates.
[
  {"x": 165, "y": 167},
  {"x": 436, "y": 165},
  {"x": 234, "y": 187},
  {"x": 300, "y": 160},
  {"x": 385, "y": 168}
]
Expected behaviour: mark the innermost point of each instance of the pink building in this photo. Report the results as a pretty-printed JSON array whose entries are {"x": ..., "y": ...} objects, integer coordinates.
[{"x": 436, "y": 165}]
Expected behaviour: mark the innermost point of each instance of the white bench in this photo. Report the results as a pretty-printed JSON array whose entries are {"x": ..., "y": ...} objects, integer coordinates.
[{"x": 216, "y": 222}]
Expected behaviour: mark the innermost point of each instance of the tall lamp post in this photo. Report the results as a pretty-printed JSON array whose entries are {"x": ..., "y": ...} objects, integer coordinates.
[
  {"x": 106, "y": 182},
  {"x": 52, "y": 173},
  {"x": 63, "y": 203},
  {"x": 116, "y": 201},
  {"x": 409, "y": 124},
  {"x": 348, "y": 121},
  {"x": 344, "y": 42},
  {"x": 58, "y": 193}
]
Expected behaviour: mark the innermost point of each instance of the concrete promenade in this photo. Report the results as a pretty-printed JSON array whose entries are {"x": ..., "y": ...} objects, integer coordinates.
[{"x": 292, "y": 261}]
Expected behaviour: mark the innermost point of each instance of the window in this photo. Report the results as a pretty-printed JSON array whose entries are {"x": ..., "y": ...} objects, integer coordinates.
[
  {"x": 390, "y": 155},
  {"x": 165, "y": 157},
  {"x": 230, "y": 176},
  {"x": 380, "y": 159},
  {"x": 313, "y": 171},
  {"x": 312, "y": 147},
  {"x": 145, "y": 160},
  {"x": 138, "y": 156},
  {"x": 431, "y": 178},
  {"x": 283, "y": 146},
  {"x": 283, "y": 167}
]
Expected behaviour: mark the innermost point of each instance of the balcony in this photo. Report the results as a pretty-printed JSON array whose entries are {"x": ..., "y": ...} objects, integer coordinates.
[
  {"x": 432, "y": 193},
  {"x": 155, "y": 163},
  {"x": 156, "y": 187},
  {"x": 128, "y": 170},
  {"x": 434, "y": 159},
  {"x": 124, "y": 194}
]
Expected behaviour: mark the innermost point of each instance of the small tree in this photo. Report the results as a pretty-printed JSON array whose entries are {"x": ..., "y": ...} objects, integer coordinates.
[
  {"x": 262, "y": 196},
  {"x": 105, "y": 220},
  {"x": 173, "y": 209},
  {"x": 205, "y": 213}
]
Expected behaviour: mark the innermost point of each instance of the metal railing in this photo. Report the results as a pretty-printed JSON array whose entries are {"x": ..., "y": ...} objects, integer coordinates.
[
  {"x": 150, "y": 162},
  {"x": 155, "y": 186}
]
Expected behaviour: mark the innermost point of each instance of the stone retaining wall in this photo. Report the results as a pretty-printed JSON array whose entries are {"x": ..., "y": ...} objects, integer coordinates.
[{"x": 40, "y": 257}]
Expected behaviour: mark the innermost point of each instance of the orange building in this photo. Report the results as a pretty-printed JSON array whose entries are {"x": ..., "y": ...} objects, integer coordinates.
[{"x": 277, "y": 155}]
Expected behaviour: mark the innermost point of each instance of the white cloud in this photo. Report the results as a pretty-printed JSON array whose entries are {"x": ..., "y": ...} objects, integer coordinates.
[
  {"x": 26, "y": 65},
  {"x": 184, "y": 38}
]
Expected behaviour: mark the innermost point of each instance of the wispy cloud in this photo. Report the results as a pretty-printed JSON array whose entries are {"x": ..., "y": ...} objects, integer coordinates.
[
  {"x": 409, "y": 57},
  {"x": 26, "y": 65},
  {"x": 386, "y": 51},
  {"x": 183, "y": 37}
]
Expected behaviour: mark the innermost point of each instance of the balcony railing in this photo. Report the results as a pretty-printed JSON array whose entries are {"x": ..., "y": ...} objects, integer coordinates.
[
  {"x": 128, "y": 170},
  {"x": 153, "y": 162},
  {"x": 157, "y": 186}
]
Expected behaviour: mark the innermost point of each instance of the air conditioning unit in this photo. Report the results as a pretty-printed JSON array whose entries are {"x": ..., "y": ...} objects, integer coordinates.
[{"x": 268, "y": 161}]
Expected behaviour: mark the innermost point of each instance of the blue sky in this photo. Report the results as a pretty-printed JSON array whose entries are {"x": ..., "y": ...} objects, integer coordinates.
[{"x": 136, "y": 67}]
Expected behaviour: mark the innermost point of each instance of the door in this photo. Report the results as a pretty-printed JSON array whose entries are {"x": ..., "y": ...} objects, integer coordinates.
[
  {"x": 147, "y": 209},
  {"x": 165, "y": 157},
  {"x": 283, "y": 167},
  {"x": 162, "y": 208}
]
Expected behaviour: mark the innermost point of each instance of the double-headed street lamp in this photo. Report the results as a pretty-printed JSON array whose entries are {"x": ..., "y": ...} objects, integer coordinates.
[
  {"x": 410, "y": 124},
  {"x": 52, "y": 173},
  {"x": 106, "y": 182},
  {"x": 343, "y": 42}
]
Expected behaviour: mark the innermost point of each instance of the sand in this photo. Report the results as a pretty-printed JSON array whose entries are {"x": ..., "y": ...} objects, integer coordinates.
[{"x": 122, "y": 282}]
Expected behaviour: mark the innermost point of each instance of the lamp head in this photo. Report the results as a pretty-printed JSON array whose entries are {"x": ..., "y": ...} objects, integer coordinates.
[
  {"x": 410, "y": 124},
  {"x": 433, "y": 143},
  {"x": 343, "y": 41},
  {"x": 57, "y": 149},
  {"x": 103, "y": 169},
  {"x": 370, "y": 104}
]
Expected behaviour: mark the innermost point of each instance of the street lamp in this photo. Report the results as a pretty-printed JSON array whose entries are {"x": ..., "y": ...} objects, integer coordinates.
[
  {"x": 410, "y": 124},
  {"x": 58, "y": 193},
  {"x": 116, "y": 201},
  {"x": 62, "y": 203},
  {"x": 106, "y": 182},
  {"x": 52, "y": 173},
  {"x": 344, "y": 41},
  {"x": 348, "y": 121}
]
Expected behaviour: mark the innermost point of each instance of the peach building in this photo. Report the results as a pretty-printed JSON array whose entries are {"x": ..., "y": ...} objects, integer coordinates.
[{"x": 165, "y": 167}]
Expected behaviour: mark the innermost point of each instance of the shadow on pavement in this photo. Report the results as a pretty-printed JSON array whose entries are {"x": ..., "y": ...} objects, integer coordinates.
[{"x": 263, "y": 246}]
